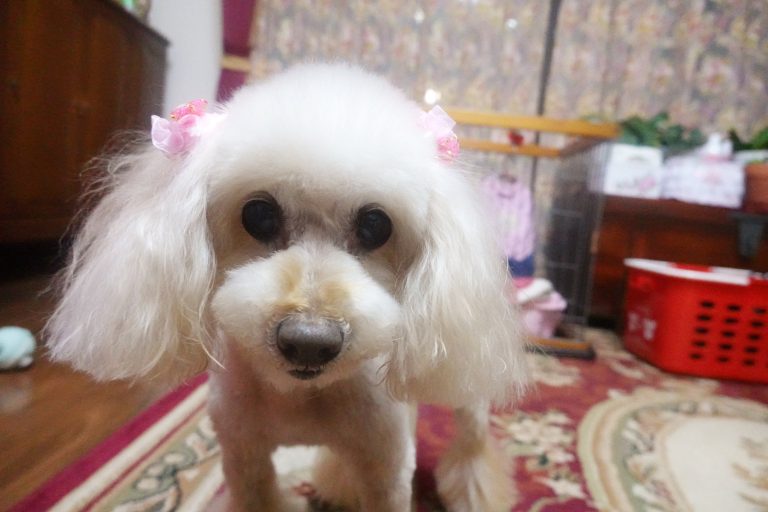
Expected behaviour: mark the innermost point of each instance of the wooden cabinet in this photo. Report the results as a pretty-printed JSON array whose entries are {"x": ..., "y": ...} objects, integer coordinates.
[
  {"x": 663, "y": 230},
  {"x": 73, "y": 73}
]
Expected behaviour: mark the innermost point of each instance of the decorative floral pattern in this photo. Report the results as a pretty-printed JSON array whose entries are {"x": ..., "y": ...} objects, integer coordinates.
[
  {"x": 653, "y": 434},
  {"x": 757, "y": 478},
  {"x": 546, "y": 443},
  {"x": 164, "y": 480},
  {"x": 476, "y": 54},
  {"x": 552, "y": 371},
  {"x": 704, "y": 61},
  {"x": 609, "y": 434}
]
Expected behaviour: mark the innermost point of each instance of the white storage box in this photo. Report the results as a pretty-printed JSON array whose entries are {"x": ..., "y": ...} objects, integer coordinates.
[
  {"x": 704, "y": 180},
  {"x": 634, "y": 171}
]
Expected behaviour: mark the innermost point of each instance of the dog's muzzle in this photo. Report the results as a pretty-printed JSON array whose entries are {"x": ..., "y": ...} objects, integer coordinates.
[{"x": 309, "y": 343}]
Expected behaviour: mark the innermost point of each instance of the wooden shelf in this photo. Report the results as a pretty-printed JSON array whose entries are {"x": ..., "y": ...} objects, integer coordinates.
[
  {"x": 584, "y": 134},
  {"x": 668, "y": 208},
  {"x": 573, "y": 127}
]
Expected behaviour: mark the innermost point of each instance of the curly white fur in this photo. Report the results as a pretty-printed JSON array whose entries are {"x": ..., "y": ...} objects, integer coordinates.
[{"x": 163, "y": 278}]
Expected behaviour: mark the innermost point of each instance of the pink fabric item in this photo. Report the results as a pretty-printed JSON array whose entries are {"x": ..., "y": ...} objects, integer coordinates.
[
  {"x": 522, "y": 282},
  {"x": 177, "y": 135},
  {"x": 169, "y": 137},
  {"x": 512, "y": 204},
  {"x": 194, "y": 108},
  {"x": 439, "y": 124},
  {"x": 541, "y": 317}
]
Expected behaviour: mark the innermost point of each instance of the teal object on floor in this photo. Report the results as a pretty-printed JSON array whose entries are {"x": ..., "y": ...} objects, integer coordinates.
[{"x": 17, "y": 348}]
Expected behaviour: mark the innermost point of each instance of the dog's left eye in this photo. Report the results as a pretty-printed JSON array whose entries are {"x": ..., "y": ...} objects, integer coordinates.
[
  {"x": 373, "y": 228},
  {"x": 262, "y": 219}
]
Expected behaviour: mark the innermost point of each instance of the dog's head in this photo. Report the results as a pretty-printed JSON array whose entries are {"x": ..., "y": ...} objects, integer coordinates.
[{"x": 315, "y": 228}]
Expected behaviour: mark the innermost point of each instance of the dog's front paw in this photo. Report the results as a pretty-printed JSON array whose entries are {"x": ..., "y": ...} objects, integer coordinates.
[
  {"x": 294, "y": 503},
  {"x": 471, "y": 482},
  {"x": 288, "y": 502},
  {"x": 318, "y": 504},
  {"x": 334, "y": 483}
]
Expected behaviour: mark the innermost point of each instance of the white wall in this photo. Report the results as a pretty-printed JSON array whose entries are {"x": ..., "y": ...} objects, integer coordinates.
[{"x": 193, "y": 28}]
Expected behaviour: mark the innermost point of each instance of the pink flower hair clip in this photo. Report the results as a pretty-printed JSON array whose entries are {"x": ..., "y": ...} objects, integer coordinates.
[
  {"x": 439, "y": 124},
  {"x": 187, "y": 123}
]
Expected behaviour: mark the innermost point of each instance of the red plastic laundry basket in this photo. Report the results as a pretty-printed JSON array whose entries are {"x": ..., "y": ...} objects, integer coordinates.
[{"x": 697, "y": 320}]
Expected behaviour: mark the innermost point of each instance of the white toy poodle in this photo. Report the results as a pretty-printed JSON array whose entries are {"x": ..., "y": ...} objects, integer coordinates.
[{"x": 315, "y": 246}]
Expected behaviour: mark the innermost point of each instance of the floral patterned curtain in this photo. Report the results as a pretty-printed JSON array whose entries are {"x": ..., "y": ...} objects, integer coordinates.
[
  {"x": 483, "y": 54},
  {"x": 706, "y": 61}
]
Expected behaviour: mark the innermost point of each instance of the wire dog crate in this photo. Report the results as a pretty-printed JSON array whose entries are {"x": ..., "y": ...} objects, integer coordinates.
[{"x": 564, "y": 168}]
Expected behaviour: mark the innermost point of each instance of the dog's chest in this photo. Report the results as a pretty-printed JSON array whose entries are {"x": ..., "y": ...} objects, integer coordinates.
[
  {"x": 301, "y": 415},
  {"x": 309, "y": 416}
]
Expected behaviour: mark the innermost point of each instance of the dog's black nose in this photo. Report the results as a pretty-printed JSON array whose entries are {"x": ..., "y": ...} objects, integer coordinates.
[{"x": 309, "y": 341}]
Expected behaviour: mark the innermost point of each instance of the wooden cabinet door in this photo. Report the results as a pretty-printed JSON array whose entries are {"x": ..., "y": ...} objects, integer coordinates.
[
  {"x": 41, "y": 107},
  {"x": 123, "y": 77},
  {"x": 75, "y": 74}
]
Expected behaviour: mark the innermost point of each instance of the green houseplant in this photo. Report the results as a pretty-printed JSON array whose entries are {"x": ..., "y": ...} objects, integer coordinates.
[
  {"x": 757, "y": 143},
  {"x": 659, "y": 132}
]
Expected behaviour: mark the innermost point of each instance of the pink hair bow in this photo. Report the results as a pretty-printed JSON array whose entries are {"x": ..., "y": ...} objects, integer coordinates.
[
  {"x": 177, "y": 135},
  {"x": 440, "y": 125}
]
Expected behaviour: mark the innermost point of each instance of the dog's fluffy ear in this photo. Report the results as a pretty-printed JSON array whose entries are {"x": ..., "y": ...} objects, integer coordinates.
[
  {"x": 138, "y": 276},
  {"x": 463, "y": 340}
]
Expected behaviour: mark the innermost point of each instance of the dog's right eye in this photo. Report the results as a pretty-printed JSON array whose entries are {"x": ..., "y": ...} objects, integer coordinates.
[{"x": 262, "y": 218}]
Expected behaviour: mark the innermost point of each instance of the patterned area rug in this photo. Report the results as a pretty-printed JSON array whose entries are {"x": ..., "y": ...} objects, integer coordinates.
[{"x": 612, "y": 434}]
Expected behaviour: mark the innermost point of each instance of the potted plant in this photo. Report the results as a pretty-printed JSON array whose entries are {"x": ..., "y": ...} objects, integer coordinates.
[
  {"x": 659, "y": 132},
  {"x": 754, "y": 155}
]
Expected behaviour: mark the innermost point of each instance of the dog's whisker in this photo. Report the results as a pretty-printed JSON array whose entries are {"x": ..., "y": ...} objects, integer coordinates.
[{"x": 212, "y": 357}]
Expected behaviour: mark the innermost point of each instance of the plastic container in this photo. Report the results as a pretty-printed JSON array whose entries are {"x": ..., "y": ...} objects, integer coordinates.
[
  {"x": 703, "y": 179},
  {"x": 541, "y": 317},
  {"x": 541, "y": 306},
  {"x": 698, "y": 320}
]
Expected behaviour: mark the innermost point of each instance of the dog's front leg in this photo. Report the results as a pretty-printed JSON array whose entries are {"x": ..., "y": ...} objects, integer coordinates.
[
  {"x": 472, "y": 474},
  {"x": 246, "y": 448},
  {"x": 251, "y": 480},
  {"x": 384, "y": 459}
]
